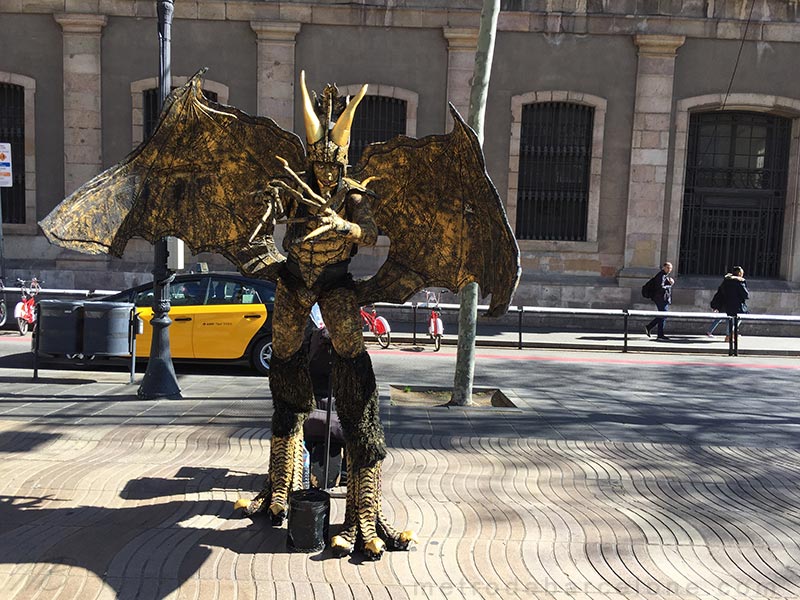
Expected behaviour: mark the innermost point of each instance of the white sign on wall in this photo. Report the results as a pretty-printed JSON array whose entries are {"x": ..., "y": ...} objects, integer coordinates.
[{"x": 5, "y": 164}]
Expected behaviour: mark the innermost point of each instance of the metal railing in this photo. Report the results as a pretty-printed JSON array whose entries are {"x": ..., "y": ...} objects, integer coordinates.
[
  {"x": 60, "y": 292},
  {"x": 622, "y": 315}
]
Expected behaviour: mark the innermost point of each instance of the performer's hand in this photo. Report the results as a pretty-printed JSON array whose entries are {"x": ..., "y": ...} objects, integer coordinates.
[
  {"x": 337, "y": 223},
  {"x": 330, "y": 221}
]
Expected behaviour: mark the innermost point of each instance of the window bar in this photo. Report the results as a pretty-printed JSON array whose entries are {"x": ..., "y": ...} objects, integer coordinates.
[{"x": 12, "y": 130}]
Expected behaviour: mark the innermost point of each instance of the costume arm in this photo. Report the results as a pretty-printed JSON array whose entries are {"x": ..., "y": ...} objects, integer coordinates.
[
  {"x": 359, "y": 226},
  {"x": 364, "y": 231}
]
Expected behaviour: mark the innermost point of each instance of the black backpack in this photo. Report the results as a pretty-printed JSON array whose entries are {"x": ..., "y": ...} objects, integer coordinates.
[
  {"x": 718, "y": 301},
  {"x": 649, "y": 288}
]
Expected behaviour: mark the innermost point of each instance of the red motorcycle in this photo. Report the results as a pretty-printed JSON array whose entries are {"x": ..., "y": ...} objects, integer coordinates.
[
  {"x": 25, "y": 310},
  {"x": 378, "y": 326}
]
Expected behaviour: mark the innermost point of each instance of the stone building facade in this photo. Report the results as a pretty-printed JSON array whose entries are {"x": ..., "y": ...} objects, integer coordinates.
[{"x": 620, "y": 134}]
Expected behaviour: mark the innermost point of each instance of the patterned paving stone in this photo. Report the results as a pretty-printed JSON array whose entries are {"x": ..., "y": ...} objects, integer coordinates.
[
  {"x": 145, "y": 512},
  {"x": 606, "y": 494}
]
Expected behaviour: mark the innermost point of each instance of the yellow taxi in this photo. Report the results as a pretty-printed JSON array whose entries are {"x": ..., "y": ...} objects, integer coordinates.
[{"x": 215, "y": 316}]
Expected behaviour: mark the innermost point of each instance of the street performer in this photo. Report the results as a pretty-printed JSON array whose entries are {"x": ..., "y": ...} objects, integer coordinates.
[
  {"x": 328, "y": 217},
  {"x": 221, "y": 180}
]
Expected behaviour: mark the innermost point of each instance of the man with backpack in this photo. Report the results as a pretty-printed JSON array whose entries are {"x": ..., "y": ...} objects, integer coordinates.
[{"x": 659, "y": 290}]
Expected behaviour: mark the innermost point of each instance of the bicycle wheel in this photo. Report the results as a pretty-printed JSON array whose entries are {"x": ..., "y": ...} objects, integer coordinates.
[
  {"x": 22, "y": 324},
  {"x": 437, "y": 342},
  {"x": 384, "y": 339},
  {"x": 3, "y": 314}
]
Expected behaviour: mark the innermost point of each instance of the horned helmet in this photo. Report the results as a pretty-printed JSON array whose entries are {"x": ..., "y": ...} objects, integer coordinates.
[{"x": 328, "y": 120}]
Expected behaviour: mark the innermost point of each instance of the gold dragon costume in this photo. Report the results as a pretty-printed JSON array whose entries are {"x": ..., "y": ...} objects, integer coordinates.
[{"x": 221, "y": 180}]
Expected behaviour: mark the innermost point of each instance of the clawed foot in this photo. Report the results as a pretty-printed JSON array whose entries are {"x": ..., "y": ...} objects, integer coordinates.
[
  {"x": 285, "y": 475},
  {"x": 395, "y": 540},
  {"x": 387, "y": 538},
  {"x": 342, "y": 545},
  {"x": 256, "y": 505},
  {"x": 366, "y": 529}
]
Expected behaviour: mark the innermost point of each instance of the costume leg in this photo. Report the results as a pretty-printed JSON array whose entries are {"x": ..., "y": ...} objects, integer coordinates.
[
  {"x": 356, "y": 396},
  {"x": 292, "y": 398}
]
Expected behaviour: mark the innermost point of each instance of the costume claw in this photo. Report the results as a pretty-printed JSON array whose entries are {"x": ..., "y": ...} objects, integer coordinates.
[
  {"x": 365, "y": 526},
  {"x": 277, "y": 514},
  {"x": 340, "y": 546},
  {"x": 318, "y": 231},
  {"x": 373, "y": 549},
  {"x": 402, "y": 541},
  {"x": 316, "y": 200},
  {"x": 256, "y": 505}
]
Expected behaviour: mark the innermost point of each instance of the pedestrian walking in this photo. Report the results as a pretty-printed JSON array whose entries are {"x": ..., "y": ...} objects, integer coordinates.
[
  {"x": 660, "y": 286},
  {"x": 714, "y": 325},
  {"x": 734, "y": 297},
  {"x": 716, "y": 306}
]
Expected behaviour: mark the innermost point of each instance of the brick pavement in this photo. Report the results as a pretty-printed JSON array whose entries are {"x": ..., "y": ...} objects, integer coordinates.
[{"x": 105, "y": 496}]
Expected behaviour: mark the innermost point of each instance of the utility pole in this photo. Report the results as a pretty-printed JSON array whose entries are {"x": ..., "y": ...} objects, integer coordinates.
[
  {"x": 159, "y": 379},
  {"x": 468, "y": 310}
]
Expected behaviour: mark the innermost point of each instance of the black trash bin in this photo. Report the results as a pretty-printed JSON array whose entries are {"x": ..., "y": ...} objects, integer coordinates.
[
  {"x": 309, "y": 520},
  {"x": 106, "y": 328},
  {"x": 60, "y": 328}
]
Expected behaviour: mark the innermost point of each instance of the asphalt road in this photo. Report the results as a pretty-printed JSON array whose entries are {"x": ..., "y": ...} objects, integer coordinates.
[{"x": 688, "y": 399}]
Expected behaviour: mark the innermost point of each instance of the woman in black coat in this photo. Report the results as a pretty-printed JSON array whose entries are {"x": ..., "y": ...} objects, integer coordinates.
[{"x": 734, "y": 293}]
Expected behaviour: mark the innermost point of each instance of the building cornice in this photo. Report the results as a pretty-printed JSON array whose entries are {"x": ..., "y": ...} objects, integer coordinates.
[
  {"x": 767, "y": 25},
  {"x": 81, "y": 23}
]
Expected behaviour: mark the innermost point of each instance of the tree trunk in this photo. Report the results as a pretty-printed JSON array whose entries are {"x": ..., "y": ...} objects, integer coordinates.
[{"x": 468, "y": 310}]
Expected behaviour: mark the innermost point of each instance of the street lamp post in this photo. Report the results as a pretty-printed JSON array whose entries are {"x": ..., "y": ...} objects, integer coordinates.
[{"x": 159, "y": 380}]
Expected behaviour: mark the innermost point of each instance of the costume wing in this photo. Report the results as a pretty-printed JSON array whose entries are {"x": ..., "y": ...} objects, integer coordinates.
[
  {"x": 443, "y": 216},
  {"x": 197, "y": 178}
]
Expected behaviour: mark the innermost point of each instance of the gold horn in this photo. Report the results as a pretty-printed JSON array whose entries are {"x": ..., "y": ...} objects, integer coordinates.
[
  {"x": 340, "y": 134},
  {"x": 314, "y": 130}
]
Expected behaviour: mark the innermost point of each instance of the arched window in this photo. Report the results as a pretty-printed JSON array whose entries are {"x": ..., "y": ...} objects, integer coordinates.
[
  {"x": 378, "y": 118},
  {"x": 555, "y": 154},
  {"x": 386, "y": 111},
  {"x": 735, "y": 193}
]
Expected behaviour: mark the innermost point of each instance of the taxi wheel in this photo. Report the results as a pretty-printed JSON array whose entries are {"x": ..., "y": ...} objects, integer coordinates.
[{"x": 261, "y": 354}]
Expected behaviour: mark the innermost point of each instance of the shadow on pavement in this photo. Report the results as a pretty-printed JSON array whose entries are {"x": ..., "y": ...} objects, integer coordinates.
[
  {"x": 24, "y": 361},
  {"x": 24, "y": 441},
  {"x": 140, "y": 551},
  {"x": 59, "y": 380}
]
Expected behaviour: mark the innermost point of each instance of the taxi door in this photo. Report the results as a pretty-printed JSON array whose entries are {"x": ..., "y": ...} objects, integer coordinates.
[
  {"x": 232, "y": 316},
  {"x": 186, "y": 299}
]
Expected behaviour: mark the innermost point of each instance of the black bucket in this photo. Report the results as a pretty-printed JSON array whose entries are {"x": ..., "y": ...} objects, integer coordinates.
[{"x": 309, "y": 518}]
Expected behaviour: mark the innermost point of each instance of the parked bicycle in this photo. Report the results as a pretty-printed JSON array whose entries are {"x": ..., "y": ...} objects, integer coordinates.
[
  {"x": 378, "y": 326},
  {"x": 3, "y": 311},
  {"x": 435, "y": 325},
  {"x": 25, "y": 310}
]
